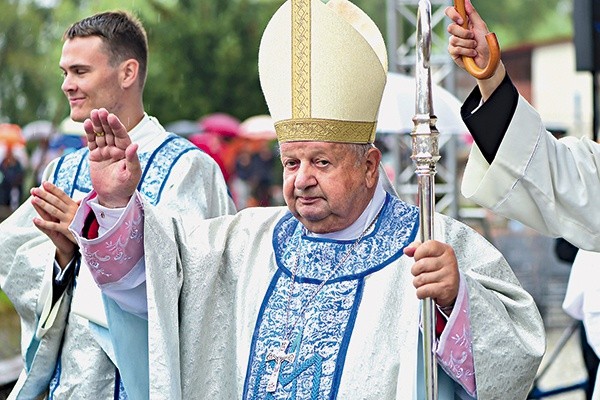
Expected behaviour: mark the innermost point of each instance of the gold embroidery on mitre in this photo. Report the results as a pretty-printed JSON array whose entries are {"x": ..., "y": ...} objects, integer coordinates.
[
  {"x": 325, "y": 130},
  {"x": 301, "y": 43}
]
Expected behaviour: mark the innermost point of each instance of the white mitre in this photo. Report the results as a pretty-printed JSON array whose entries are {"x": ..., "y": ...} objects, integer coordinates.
[{"x": 322, "y": 69}]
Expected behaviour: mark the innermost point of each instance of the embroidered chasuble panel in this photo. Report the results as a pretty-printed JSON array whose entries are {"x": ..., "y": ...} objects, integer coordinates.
[
  {"x": 318, "y": 327},
  {"x": 73, "y": 170}
]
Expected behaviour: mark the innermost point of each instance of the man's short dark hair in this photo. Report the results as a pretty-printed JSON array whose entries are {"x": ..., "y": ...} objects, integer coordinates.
[{"x": 122, "y": 34}]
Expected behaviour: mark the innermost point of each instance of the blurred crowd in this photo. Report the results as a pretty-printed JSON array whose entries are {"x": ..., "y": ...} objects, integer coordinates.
[
  {"x": 25, "y": 152},
  {"x": 246, "y": 152}
]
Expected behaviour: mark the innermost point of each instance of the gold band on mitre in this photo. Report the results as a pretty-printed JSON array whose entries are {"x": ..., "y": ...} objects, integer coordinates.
[
  {"x": 325, "y": 130},
  {"x": 323, "y": 68}
]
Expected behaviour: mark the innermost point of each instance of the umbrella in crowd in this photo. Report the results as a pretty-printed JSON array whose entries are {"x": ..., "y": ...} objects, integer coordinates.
[
  {"x": 258, "y": 127},
  {"x": 70, "y": 136},
  {"x": 184, "y": 127},
  {"x": 38, "y": 130},
  {"x": 212, "y": 146},
  {"x": 11, "y": 138},
  {"x": 398, "y": 107},
  {"x": 220, "y": 123},
  {"x": 11, "y": 135},
  {"x": 70, "y": 127}
]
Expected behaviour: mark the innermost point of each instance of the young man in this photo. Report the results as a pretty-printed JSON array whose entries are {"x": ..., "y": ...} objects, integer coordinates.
[
  {"x": 65, "y": 344},
  {"x": 317, "y": 299}
]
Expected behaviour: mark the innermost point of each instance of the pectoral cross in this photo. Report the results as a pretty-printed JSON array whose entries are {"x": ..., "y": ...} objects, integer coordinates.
[{"x": 279, "y": 356}]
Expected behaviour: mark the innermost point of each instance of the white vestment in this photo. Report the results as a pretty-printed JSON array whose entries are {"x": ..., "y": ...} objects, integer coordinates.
[
  {"x": 582, "y": 300},
  {"x": 550, "y": 185},
  {"x": 215, "y": 318},
  {"x": 63, "y": 349}
]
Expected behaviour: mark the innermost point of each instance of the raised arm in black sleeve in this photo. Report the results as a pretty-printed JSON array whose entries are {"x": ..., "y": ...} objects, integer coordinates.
[{"x": 489, "y": 123}]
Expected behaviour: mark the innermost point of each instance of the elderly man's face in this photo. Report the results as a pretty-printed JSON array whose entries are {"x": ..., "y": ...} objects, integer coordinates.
[{"x": 326, "y": 185}]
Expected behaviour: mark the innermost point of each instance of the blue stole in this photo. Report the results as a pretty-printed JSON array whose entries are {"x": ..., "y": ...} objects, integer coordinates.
[
  {"x": 319, "y": 345},
  {"x": 73, "y": 169}
]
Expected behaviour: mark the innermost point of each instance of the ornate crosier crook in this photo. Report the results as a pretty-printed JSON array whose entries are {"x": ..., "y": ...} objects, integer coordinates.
[{"x": 492, "y": 43}]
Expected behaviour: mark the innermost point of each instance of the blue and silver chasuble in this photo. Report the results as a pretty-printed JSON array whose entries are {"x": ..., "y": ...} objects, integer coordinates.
[{"x": 318, "y": 329}]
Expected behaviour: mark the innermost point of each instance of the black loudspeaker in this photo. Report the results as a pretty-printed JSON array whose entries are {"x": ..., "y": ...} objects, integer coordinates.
[{"x": 586, "y": 24}]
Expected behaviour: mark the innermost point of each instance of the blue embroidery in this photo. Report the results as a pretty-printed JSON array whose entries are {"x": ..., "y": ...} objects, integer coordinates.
[
  {"x": 68, "y": 169},
  {"x": 119, "y": 388},
  {"x": 324, "y": 331},
  {"x": 73, "y": 170},
  {"x": 316, "y": 362},
  {"x": 159, "y": 165},
  {"x": 55, "y": 380}
]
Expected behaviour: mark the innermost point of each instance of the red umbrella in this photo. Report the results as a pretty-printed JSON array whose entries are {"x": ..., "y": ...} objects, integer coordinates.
[
  {"x": 10, "y": 135},
  {"x": 220, "y": 123},
  {"x": 211, "y": 145}
]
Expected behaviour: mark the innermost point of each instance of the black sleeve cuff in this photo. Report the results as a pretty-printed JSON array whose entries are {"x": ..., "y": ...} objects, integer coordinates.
[
  {"x": 489, "y": 123},
  {"x": 59, "y": 285}
]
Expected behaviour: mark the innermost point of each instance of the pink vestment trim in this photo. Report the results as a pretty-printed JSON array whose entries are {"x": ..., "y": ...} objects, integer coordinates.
[
  {"x": 455, "y": 350},
  {"x": 112, "y": 255}
]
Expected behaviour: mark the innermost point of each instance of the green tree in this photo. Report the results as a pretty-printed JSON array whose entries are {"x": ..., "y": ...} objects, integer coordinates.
[
  {"x": 519, "y": 21},
  {"x": 24, "y": 65},
  {"x": 203, "y": 53},
  {"x": 205, "y": 58}
]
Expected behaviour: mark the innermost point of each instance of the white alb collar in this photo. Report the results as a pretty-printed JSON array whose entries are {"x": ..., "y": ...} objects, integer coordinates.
[
  {"x": 356, "y": 229},
  {"x": 148, "y": 134}
]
